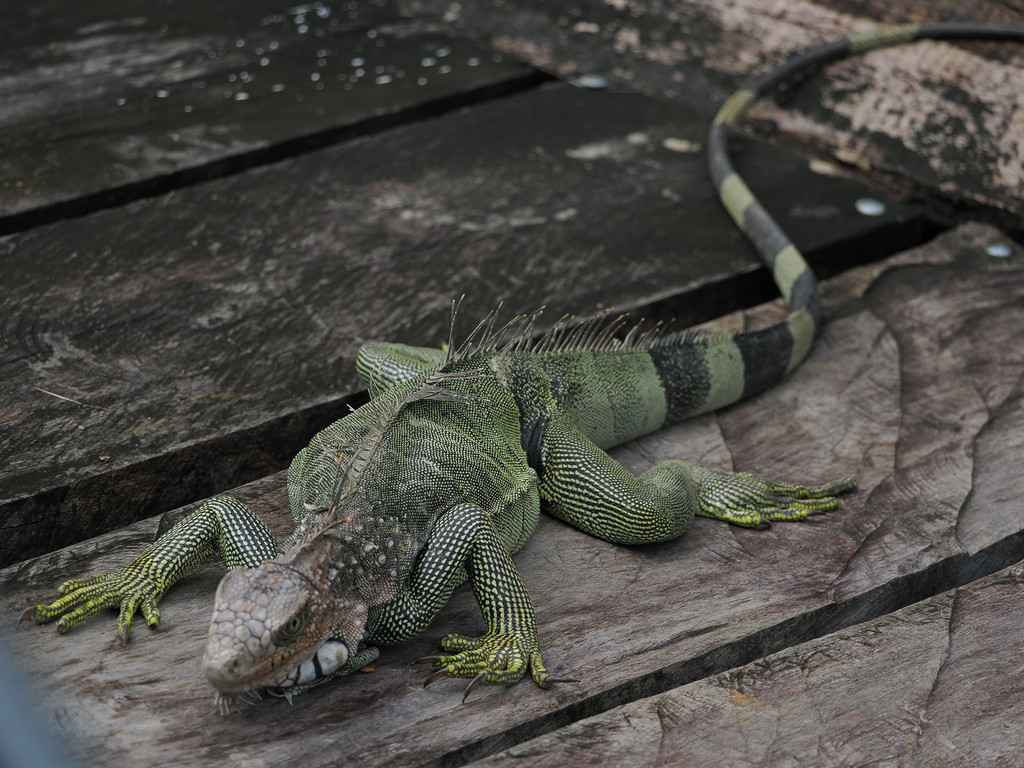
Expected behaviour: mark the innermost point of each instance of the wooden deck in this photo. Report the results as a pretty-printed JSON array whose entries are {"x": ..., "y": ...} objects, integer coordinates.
[{"x": 205, "y": 210}]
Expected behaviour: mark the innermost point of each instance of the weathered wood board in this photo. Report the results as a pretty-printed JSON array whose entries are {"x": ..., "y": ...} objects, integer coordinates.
[
  {"x": 939, "y": 117},
  {"x": 202, "y": 337},
  {"x": 916, "y": 386},
  {"x": 107, "y": 102},
  {"x": 936, "y": 684}
]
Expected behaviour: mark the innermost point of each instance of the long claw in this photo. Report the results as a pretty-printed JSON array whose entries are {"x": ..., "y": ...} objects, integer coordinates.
[
  {"x": 475, "y": 682},
  {"x": 435, "y": 677},
  {"x": 427, "y": 660},
  {"x": 561, "y": 680}
]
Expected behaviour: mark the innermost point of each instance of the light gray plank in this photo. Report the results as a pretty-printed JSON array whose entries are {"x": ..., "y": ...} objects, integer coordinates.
[{"x": 936, "y": 684}]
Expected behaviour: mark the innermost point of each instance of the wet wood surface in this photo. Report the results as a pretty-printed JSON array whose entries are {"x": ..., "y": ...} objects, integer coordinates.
[
  {"x": 106, "y": 104},
  {"x": 190, "y": 271}
]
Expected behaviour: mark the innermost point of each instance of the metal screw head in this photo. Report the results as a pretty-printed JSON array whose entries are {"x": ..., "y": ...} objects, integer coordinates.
[
  {"x": 593, "y": 82},
  {"x": 868, "y": 206},
  {"x": 999, "y": 250}
]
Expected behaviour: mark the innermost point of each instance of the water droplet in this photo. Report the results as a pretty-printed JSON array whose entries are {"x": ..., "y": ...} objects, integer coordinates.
[
  {"x": 429, "y": 61},
  {"x": 421, "y": 81},
  {"x": 277, "y": 87},
  {"x": 444, "y": 69},
  {"x": 315, "y": 76},
  {"x": 303, "y": 29},
  {"x": 188, "y": 107},
  {"x": 122, "y": 101},
  {"x": 264, "y": 61},
  {"x": 383, "y": 79},
  {"x": 868, "y": 206},
  {"x": 357, "y": 62},
  {"x": 474, "y": 62},
  {"x": 241, "y": 96},
  {"x": 999, "y": 250},
  {"x": 162, "y": 94},
  {"x": 442, "y": 52},
  {"x": 239, "y": 43}
]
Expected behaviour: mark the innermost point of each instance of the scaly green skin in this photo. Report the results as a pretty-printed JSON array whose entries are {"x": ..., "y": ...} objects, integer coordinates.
[{"x": 442, "y": 476}]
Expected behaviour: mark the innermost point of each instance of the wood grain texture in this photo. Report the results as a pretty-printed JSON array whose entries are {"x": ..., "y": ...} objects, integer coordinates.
[
  {"x": 933, "y": 684},
  {"x": 165, "y": 351},
  {"x": 935, "y": 449},
  {"x": 932, "y": 118}
]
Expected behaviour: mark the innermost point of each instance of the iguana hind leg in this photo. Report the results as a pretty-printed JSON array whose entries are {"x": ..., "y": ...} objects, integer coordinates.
[{"x": 584, "y": 486}]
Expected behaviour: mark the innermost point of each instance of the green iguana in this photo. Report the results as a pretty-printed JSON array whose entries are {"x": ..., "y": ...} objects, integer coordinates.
[{"x": 441, "y": 477}]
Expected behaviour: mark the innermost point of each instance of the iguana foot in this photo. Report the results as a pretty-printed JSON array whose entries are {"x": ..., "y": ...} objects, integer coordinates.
[
  {"x": 746, "y": 499},
  {"x": 126, "y": 588},
  {"x": 497, "y": 659}
]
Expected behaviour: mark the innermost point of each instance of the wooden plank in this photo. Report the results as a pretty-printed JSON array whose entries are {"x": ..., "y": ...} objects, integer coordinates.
[
  {"x": 916, "y": 386},
  {"x": 891, "y": 113},
  {"x": 162, "y": 352},
  {"x": 937, "y": 684},
  {"x": 108, "y": 102}
]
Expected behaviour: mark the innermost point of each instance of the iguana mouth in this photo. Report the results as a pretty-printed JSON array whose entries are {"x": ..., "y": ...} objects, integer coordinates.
[{"x": 319, "y": 668}]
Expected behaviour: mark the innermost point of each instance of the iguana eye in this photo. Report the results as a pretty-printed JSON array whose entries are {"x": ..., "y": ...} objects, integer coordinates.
[{"x": 290, "y": 630}]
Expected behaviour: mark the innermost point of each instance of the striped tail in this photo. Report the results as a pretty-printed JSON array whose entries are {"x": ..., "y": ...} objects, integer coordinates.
[{"x": 774, "y": 351}]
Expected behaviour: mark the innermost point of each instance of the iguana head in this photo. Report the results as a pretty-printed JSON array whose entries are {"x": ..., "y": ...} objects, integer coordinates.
[{"x": 297, "y": 620}]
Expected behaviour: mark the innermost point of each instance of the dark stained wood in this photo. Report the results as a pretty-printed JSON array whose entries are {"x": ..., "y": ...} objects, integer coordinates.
[
  {"x": 915, "y": 387},
  {"x": 935, "y": 684},
  {"x": 934, "y": 118},
  {"x": 107, "y": 102},
  {"x": 164, "y": 351}
]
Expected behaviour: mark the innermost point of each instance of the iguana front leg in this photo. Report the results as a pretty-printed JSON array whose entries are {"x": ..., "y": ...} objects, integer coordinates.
[
  {"x": 222, "y": 525},
  {"x": 584, "y": 486},
  {"x": 464, "y": 543}
]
